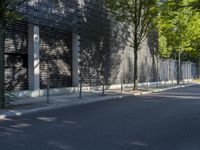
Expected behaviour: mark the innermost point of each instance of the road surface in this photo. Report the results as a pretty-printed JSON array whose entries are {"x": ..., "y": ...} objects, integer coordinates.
[{"x": 162, "y": 121}]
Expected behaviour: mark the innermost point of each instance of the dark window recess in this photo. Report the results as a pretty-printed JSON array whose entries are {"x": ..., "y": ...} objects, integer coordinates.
[{"x": 16, "y": 60}]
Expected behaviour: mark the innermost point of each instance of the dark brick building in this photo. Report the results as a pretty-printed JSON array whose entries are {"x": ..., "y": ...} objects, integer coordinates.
[{"x": 55, "y": 44}]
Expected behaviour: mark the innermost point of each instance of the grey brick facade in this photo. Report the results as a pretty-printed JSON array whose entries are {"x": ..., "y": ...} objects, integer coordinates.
[{"x": 104, "y": 48}]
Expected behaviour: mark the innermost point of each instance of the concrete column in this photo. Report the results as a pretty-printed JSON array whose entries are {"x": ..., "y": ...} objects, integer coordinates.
[
  {"x": 34, "y": 59},
  {"x": 75, "y": 59}
]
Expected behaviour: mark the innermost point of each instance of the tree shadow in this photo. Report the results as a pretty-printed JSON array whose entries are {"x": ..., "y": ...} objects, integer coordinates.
[
  {"x": 141, "y": 122},
  {"x": 16, "y": 56},
  {"x": 152, "y": 42},
  {"x": 106, "y": 54},
  {"x": 57, "y": 21},
  {"x": 102, "y": 45},
  {"x": 55, "y": 58}
]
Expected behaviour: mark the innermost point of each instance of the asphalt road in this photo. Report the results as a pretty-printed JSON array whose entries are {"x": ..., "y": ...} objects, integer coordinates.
[{"x": 163, "y": 121}]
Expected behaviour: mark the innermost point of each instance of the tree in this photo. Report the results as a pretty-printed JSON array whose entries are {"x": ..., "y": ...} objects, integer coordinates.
[
  {"x": 8, "y": 14},
  {"x": 139, "y": 14},
  {"x": 179, "y": 26},
  {"x": 195, "y": 4}
]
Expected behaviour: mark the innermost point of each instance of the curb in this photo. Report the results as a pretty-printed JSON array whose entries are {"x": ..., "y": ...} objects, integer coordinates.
[
  {"x": 161, "y": 90},
  {"x": 18, "y": 113}
]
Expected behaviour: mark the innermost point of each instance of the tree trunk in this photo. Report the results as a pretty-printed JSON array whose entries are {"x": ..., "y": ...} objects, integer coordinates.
[
  {"x": 135, "y": 67},
  {"x": 135, "y": 45},
  {"x": 2, "y": 48}
]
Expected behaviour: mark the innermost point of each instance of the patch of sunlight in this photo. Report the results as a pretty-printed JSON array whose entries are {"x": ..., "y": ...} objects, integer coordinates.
[
  {"x": 180, "y": 97},
  {"x": 138, "y": 143},
  {"x": 47, "y": 119},
  {"x": 3, "y": 118},
  {"x": 59, "y": 145},
  {"x": 10, "y": 112},
  {"x": 69, "y": 122},
  {"x": 16, "y": 112},
  {"x": 21, "y": 125}
]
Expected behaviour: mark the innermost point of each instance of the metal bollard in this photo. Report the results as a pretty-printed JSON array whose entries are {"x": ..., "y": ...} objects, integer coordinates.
[
  {"x": 165, "y": 82},
  {"x": 122, "y": 87},
  {"x": 147, "y": 85},
  {"x": 80, "y": 90},
  {"x": 48, "y": 93},
  {"x": 103, "y": 89}
]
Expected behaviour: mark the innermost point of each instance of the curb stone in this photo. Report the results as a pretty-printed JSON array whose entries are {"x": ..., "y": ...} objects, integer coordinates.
[
  {"x": 17, "y": 113},
  {"x": 161, "y": 90}
]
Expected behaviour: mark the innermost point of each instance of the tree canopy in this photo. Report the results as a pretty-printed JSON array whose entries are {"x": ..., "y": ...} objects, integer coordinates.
[
  {"x": 8, "y": 11},
  {"x": 176, "y": 21},
  {"x": 178, "y": 27}
]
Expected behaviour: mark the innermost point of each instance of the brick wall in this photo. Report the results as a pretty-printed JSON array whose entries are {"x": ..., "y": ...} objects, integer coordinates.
[
  {"x": 104, "y": 48},
  {"x": 16, "y": 58},
  {"x": 55, "y": 58}
]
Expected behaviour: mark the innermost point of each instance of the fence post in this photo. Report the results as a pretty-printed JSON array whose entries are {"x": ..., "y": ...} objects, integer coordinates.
[
  {"x": 103, "y": 88},
  {"x": 48, "y": 82},
  {"x": 172, "y": 76},
  {"x": 80, "y": 88},
  {"x": 122, "y": 84},
  {"x": 122, "y": 74},
  {"x": 48, "y": 93},
  {"x": 80, "y": 82},
  {"x": 168, "y": 70},
  {"x": 165, "y": 82},
  {"x": 157, "y": 72},
  {"x": 147, "y": 84},
  {"x": 179, "y": 68},
  {"x": 188, "y": 72}
]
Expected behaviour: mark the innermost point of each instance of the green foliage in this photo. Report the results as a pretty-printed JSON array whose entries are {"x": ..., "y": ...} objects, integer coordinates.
[
  {"x": 179, "y": 25},
  {"x": 8, "y": 11},
  {"x": 139, "y": 14},
  {"x": 195, "y": 5},
  {"x": 165, "y": 51}
]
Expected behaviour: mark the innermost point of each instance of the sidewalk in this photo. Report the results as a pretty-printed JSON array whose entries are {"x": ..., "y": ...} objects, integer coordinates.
[{"x": 29, "y": 105}]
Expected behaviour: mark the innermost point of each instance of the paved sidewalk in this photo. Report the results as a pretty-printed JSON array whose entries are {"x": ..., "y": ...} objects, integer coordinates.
[{"x": 29, "y": 105}]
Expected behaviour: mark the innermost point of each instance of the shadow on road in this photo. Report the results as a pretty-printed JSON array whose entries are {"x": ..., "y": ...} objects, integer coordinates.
[{"x": 162, "y": 121}]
